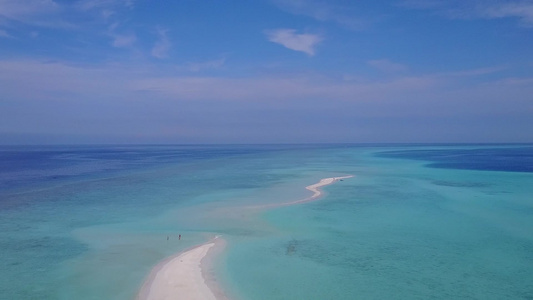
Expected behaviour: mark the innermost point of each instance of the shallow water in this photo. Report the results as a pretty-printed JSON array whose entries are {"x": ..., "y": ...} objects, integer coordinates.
[{"x": 89, "y": 223}]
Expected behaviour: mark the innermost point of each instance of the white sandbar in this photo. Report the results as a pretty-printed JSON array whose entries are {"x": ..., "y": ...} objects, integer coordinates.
[
  {"x": 315, "y": 188},
  {"x": 179, "y": 277},
  {"x": 182, "y": 276},
  {"x": 323, "y": 182}
]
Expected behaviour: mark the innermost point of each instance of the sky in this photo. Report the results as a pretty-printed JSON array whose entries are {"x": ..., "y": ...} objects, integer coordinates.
[{"x": 265, "y": 71}]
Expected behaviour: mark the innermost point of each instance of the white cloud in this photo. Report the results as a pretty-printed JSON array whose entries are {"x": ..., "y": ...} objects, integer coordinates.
[
  {"x": 278, "y": 89},
  {"x": 163, "y": 45},
  {"x": 28, "y": 78},
  {"x": 421, "y": 4},
  {"x": 105, "y": 9},
  {"x": 23, "y": 9},
  {"x": 121, "y": 40},
  {"x": 521, "y": 10},
  {"x": 104, "y": 4},
  {"x": 102, "y": 90},
  {"x": 477, "y": 9},
  {"x": 61, "y": 14},
  {"x": 212, "y": 64},
  {"x": 4, "y": 34},
  {"x": 387, "y": 66},
  {"x": 324, "y": 11},
  {"x": 126, "y": 40},
  {"x": 473, "y": 72},
  {"x": 304, "y": 42},
  {"x": 107, "y": 13},
  {"x": 45, "y": 13}
]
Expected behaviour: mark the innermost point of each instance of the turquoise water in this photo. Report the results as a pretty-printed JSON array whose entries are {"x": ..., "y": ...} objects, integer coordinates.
[{"x": 79, "y": 223}]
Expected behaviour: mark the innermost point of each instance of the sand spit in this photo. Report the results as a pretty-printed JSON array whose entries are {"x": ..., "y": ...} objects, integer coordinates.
[
  {"x": 181, "y": 277},
  {"x": 323, "y": 182},
  {"x": 184, "y": 275},
  {"x": 315, "y": 188}
]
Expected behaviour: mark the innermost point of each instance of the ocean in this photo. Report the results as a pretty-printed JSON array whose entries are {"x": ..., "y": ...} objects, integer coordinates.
[{"x": 415, "y": 221}]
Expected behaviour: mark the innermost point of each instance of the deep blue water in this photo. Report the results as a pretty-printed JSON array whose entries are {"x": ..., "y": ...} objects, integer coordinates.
[
  {"x": 514, "y": 159},
  {"x": 34, "y": 165}
]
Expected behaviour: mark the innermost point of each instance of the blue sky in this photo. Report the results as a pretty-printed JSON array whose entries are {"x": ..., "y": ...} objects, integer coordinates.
[{"x": 265, "y": 71}]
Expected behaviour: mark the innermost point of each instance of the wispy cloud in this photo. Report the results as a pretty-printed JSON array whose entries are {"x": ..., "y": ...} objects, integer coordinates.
[
  {"x": 77, "y": 15},
  {"x": 104, "y": 4},
  {"x": 107, "y": 10},
  {"x": 23, "y": 9},
  {"x": 324, "y": 11},
  {"x": 304, "y": 42},
  {"x": 45, "y": 13},
  {"x": 126, "y": 40},
  {"x": 163, "y": 44},
  {"x": 521, "y": 10},
  {"x": 421, "y": 4},
  {"x": 206, "y": 65},
  {"x": 477, "y": 9},
  {"x": 28, "y": 78},
  {"x": 4, "y": 34},
  {"x": 387, "y": 66},
  {"x": 398, "y": 96},
  {"x": 473, "y": 72},
  {"x": 259, "y": 102},
  {"x": 51, "y": 79}
]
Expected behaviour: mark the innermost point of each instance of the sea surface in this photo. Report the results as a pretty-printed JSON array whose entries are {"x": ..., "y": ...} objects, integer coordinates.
[{"x": 415, "y": 221}]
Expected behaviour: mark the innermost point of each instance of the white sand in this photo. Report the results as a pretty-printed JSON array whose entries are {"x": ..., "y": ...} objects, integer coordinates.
[
  {"x": 182, "y": 276},
  {"x": 326, "y": 181},
  {"x": 315, "y": 188},
  {"x": 179, "y": 277}
]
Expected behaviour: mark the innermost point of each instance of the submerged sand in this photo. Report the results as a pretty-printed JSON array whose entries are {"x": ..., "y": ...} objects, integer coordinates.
[
  {"x": 315, "y": 188},
  {"x": 323, "y": 182},
  {"x": 183, "y": 276}
]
